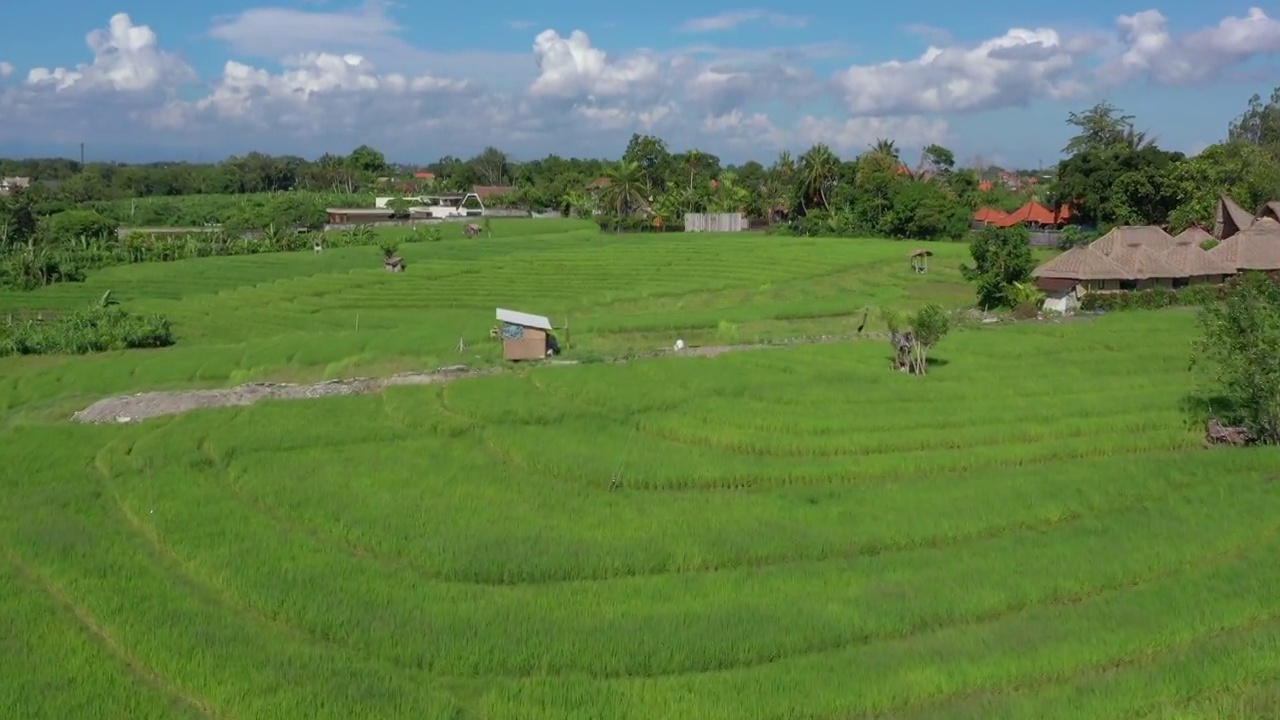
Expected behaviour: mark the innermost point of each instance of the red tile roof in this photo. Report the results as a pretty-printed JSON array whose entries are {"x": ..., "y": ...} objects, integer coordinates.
[
  {"x": 487, "y": 191},
  {"x": 1031, "y": 212},
  {"x": 989, "y": 215}
]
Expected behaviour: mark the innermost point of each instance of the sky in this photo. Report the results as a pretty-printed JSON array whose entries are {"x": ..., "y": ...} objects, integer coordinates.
[{"x": 994, "y": 80}]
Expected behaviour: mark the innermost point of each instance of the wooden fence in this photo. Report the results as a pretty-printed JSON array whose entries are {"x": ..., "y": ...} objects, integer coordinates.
[{"x": 715, "y": 222}]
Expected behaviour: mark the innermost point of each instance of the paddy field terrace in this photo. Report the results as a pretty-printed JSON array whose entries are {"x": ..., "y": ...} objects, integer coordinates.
[{"x": 1032, "y": 530}]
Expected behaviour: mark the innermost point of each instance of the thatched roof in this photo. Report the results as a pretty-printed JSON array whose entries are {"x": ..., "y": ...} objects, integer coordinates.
[
  {"x": 1081, "y": 263},
  {"x": 1148, "y": 236},
  {"x": 1143, "y": 263},
  {"x": 1196, "y": 261},
  {"x": 1271, "y": 210},
  {"x": 1193, "y": 234},
  {"x": 1255, "y": 248},
  {"x": 1230, "y": 219}
]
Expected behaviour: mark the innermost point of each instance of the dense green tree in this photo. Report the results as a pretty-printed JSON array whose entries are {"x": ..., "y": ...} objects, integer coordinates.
[
  {"x": 1001, "y": 260},
  {"x": 1240, "y": 378}
]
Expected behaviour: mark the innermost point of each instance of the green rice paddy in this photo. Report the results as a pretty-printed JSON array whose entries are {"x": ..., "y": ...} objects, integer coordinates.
[{"x": 1030, "y": 531}]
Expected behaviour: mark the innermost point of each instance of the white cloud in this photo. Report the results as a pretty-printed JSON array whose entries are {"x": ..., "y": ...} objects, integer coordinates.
[
  {"x": 1009, "y": 70},
  {"x": 321, "y": 93},
  {"x": 126, "y": 58},
  {"x": 755, "y": 131},
  {"x": 6, "y": 69},
  {"x": 733, "y": 18},
  {"x": 307, "y": 80},
  {"x": 1152, "y": 52}
]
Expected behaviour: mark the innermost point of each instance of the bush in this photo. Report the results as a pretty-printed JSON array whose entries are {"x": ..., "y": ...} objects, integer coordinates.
[
  {"x": 96, "y": 329},
  {"x": 1152, "y": 299}
]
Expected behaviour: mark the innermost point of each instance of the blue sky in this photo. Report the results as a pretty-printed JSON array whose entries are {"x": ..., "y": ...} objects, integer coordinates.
[{"x": 577, "y": 78}]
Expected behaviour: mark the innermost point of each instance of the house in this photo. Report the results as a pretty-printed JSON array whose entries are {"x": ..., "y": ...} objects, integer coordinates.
[
  {"x": 1202, "y": 268},
  {"x": 1147, "y": 236},
  {"x": 988, "y": 216},
  {"x": 10, "y": 184},
  {"x": 486, "y": 192},
  {"x": 1067, "y": 278},
  {"x": 1128, "y": 258},
  {"x": 525, "y": 336},
  {"x": 358, "y": 216},
  {"x": 1230, "y": 218},
  {"x": 1036, "y": 216},
  {"x": 1270, "y": 210},
  {"x": 1256, "y": 247}
]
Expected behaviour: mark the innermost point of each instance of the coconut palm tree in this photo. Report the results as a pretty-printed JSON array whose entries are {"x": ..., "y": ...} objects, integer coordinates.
[
  {"x": 886, "y": 147},
  {"x": 819, "y": 167},
  {"x": 625, "y": 192}
]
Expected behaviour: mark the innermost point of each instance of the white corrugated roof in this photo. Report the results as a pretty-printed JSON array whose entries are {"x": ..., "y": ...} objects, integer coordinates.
[{"x": 524, "y": 319}]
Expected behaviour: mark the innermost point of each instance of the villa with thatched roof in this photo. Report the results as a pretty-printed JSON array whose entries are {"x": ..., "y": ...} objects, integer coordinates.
[
  {"x": 1270, "y": 210},
  {"x": 1148, "y": 236},
  {"x": 1254, "y": 248},
  {"x": 1128, "y": 258},
  {"x": 1201, "y": 267},
  {"x": 1067, "y": 278},
  {"x": 1230, "y": 218},
  {"x": 1195, "y": 234}
]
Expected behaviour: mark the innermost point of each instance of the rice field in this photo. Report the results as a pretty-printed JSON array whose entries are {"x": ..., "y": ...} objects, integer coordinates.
[{"x": 1030, "y": 531}]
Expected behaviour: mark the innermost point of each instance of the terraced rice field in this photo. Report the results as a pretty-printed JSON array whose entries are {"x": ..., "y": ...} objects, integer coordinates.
[{"x": 1031, "y": 531}]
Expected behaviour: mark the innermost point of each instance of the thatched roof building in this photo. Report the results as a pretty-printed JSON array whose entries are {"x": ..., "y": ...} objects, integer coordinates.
[
  {"x": 1254, "y": 248},
  {"x": 1147, "y": 236},
  {"x": 1143, "y": 262},
  {"x": 1080, "y": 263},
  {"x": 1194, "y": 234},
  {"x": 1230, "y": 218},
  {"x": 1195, "y": 260},
  {"x": 1271, "y": 210}
]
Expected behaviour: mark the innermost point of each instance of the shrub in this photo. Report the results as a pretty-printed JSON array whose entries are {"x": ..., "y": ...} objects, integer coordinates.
[
  {"x": 1152, "y": 299},
  {"x": 95, "y": 329}
]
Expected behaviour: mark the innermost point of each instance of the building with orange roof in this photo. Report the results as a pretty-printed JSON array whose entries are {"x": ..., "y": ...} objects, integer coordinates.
[{"x": 989, "y": 215}]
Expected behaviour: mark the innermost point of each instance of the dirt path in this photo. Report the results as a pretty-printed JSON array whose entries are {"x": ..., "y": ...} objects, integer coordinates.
[{"x": 139, "y": 407}]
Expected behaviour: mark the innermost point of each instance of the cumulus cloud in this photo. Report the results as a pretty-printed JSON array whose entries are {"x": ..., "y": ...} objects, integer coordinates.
[
  {"x": 734, "y": 18},
  {"x": 126, "y": 58},
  {"x": 307, "y": 80},
  {"x": 320, "y": 93},
  {"x": 1009, "y": 70},
  {"x": 755, "y": 131},
  {"x": 1154, "y": 53}
]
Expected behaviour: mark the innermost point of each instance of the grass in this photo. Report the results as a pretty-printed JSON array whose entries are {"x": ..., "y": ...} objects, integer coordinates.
[{"x": 1030, "y": 531}]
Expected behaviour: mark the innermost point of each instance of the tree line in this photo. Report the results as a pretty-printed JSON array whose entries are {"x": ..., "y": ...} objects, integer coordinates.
[{"x": 1112, "y": 173}]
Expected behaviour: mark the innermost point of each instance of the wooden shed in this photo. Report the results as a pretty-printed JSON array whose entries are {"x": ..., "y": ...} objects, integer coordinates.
[{"x": 524, "y": 336}]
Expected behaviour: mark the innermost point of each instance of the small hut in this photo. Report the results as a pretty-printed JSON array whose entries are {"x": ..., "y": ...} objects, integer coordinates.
[
  {"x": 920, "y": 260},
  {"x": 524, "y": 336}
]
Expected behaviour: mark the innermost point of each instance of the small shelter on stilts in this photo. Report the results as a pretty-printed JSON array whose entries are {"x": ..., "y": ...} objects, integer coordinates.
[{"x": 920, "y": 261}]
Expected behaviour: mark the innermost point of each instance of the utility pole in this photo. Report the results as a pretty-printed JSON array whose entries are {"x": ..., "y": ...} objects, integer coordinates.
[{"x": 82, "y": 156}]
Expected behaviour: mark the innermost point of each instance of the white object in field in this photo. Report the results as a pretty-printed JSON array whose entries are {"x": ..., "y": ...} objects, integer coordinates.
[{"x": 679, "y": 345}]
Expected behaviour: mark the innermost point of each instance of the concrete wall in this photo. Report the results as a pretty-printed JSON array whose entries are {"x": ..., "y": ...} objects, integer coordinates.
[{"x": 715, "y": 222}]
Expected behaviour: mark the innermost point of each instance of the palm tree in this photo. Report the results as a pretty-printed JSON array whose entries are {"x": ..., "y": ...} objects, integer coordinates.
[
  {"x": 818, "y": 169},
  {"x": 885, "y": 147},
  {"x": 625, "y": 191},
  {"x": 693, "y": 158}
]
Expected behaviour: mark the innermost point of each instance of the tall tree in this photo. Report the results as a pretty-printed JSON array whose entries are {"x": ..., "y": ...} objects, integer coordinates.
[
  {"x": 1101, "y": 127},
  {"x": 819, "y": 167},
  {"x": 1259, "y": 124}
]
